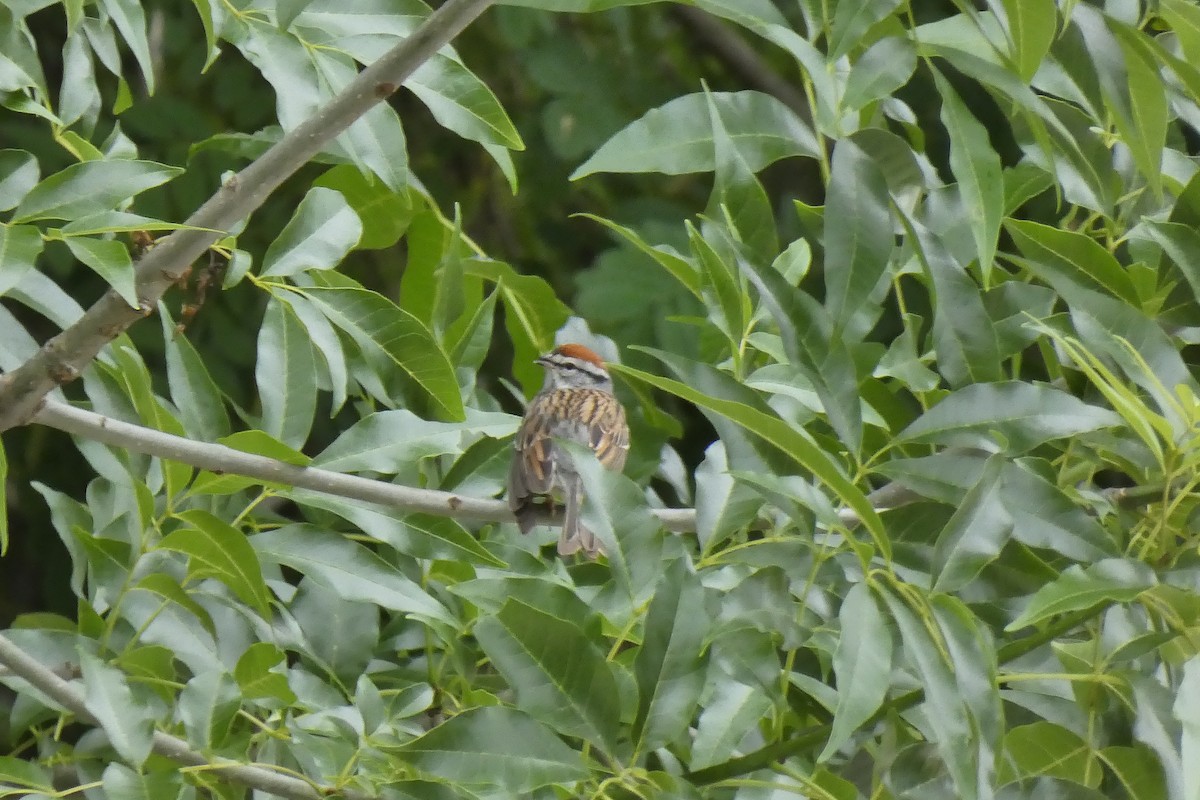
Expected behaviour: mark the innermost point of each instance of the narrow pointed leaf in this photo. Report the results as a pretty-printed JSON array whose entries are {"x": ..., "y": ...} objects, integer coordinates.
[
  {"x": 786, "y": 438},
  {"x": 858, "y": 232},
  {"x": 349, "y": 569},
  {"x": 380, "y": 326},
  {"x": 862, "y": 664},
  {"x": 494, "y": 746},
  {"x": 559, "y": 675},
  {"x": 218, "y": 550},
  {"x": 1113, "y": 580},
  {"x": 669, "y": 666},
  {"x": 676, "y": 138},
  {"x": 1024, "y": 414},
  {"x": 91, "y": 187},
  {"x": 127, "y": 723},
  {"x": 976, "y": 167},
  {"x": 283, "y": 372},
  {"x": 320, "y": 233}
]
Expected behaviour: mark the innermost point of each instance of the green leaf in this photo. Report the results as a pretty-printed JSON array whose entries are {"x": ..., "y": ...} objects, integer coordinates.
[
  {"x": 680, "y": 268},
  {"x": 1043, "y": 748},
  {"x": 318, "y": 236},
  {"x": 20, "y": 245},
  {"x": 616, "y": 512},
  {"x": 1138, "y": 770},
  {"x": 862, "y": 664},
  {"x": 737, "y": 196},
  {"x": 109, "y": 259},
  {"x": 91, "y": 187},
  {"x": 1044, "y": 516},
  {"x": 778, "y": 433},
  {"x": 130, "y": 20},
  {"x": 1024, "y": 415},
  {"x": 122, "y": 783},
  {"x": 342, "y": 635},
  {"x": 1185, "y": 710},
  {"x": 418, "y": 535},
  {"x": 126, "y": 722},
  {"x": 283, "y": 372},
  {"x": 1143, "y": 122},
  {"x": 723, "y": 507},
  {"x": 216, "y": 549},
  {"x": 377, "y": 143},
  {"x": 460, "y": 102},
  {"x": 815, "y": 347},
  {"x": 387, "y": 440},
  {"x": 1031, "y": 27},
  {"x": 1181, "y": 243},
  {"x": 558, "y": 673},
  {"x": 263, "y": 444},
  {"x": 325, "y": 339},
  {"x": 193, "y": 390},
  {"x": 18, "y": 174},
  {"x": 976, "y": 167},
  {"x": 471, "y": 335},
  {"x": 670, "y": 665},
  {"x": 963, "y": 337},
  {"x": 389, "y": 334},
  {"x": 726, "y": 302},
  {"x": 1112, "y": 580},
  {"x": 494, "y": 746},
  {"x": 851, "y": 22},
  {"x": 1184, "y": 19},
  {"x": 677, "y": 138},
  {"x": 972, "y": 650},
  {"x": 350, "y": 570},
  {"x": 167, "y": 588},
  {"x": 734, "y": 710},
  {"x": 858, "y": 233},
  {"x": 944, "y": 710},
  {"x": 532, "y": 314},
  {"x": 25, "y": 774},
  {"x": 207, "y": 706},
  {"x": 384, "y": 213},
  {"x": 886, "y": 65},
  {"x": 257, "y": 677},
  {"x": 1067, "y": 260}
]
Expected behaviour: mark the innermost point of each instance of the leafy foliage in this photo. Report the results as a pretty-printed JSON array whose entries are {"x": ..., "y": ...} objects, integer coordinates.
[{"x": 930, "y": 272}]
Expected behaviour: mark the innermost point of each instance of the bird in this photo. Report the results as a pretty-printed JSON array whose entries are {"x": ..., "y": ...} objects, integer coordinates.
[{"x": 576, "y": 403}]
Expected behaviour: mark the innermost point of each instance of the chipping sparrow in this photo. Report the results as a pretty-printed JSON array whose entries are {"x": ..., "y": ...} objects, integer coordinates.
[{"x": 575, "y": 403}]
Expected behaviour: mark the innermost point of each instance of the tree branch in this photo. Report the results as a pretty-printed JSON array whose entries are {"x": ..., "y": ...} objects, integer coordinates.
[
  {"x": 64, "y": 356},
  {"x": 225, "y": 460},
  {"x": 65, "y": 695},
  {"x": 221, "y": 459}
]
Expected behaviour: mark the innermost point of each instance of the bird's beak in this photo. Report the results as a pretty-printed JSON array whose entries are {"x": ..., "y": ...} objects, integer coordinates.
[{"x": 540, "y": 360}]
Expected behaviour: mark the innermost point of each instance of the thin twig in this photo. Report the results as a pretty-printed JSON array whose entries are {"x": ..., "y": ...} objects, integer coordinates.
[
  {"x": 63, "y": 357},
  {"x": 164, "y": 744}
]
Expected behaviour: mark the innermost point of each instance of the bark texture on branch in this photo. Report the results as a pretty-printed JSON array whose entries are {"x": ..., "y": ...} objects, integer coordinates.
[{"x": 64, "y": 357}]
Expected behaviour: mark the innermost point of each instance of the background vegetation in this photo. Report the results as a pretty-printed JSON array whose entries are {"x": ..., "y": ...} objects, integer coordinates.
[{"x": 903, "y": 300}]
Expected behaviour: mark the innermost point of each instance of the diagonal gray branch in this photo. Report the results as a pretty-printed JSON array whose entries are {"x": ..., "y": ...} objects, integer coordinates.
[
  {"x": 68, "y": 697},
  {"x": 64, "y": 356}
]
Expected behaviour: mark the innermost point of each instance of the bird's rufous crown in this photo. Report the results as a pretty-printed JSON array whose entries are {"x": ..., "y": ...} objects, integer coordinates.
[{"x": 579, "y": 351}]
